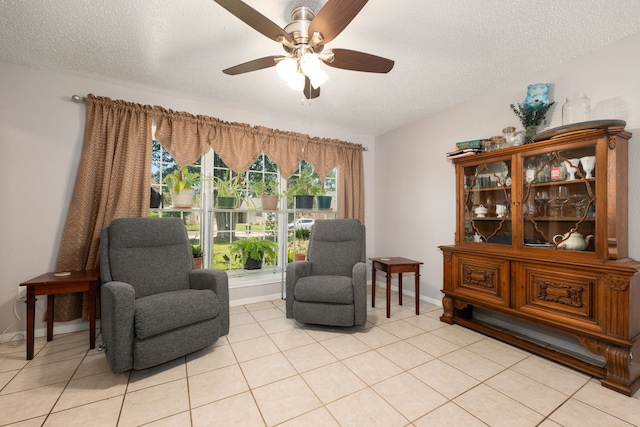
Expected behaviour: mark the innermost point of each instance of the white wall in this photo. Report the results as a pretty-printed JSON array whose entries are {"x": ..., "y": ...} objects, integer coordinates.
[
  {"x": 415, "y": 184},
  {"x": 41, "y": 133}
]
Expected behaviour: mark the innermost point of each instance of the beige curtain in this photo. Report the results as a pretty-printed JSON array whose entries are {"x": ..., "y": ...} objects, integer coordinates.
[
  {"x": 350, "y": 182},
  {"x": 113, "y": 181}
]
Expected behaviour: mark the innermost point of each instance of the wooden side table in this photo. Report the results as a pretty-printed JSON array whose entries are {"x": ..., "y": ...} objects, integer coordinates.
[
  {"x": 395, "y": 265},
  {"x": 49, "y": 284}
]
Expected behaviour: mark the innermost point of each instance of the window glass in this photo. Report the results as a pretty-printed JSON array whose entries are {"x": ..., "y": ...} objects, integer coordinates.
[
  {"x": 220, "y": 228},
  {"x": 162, "y": 164}
]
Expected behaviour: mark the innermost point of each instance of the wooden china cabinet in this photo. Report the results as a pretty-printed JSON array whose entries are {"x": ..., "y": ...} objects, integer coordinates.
[{"x": 541, "y": 237}]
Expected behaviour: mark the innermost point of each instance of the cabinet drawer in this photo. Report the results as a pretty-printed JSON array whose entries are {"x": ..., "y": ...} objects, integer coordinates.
[
  {"x": 559, "y": 294},
  {"x": 482, "y": 279}
]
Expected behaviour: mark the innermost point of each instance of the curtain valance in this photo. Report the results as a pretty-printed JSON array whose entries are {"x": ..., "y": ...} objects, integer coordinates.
[{"x": 186, "y": 137}]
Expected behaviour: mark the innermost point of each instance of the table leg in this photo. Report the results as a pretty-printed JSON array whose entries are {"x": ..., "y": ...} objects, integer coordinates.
[
  {"x": 417, "y": 289},
  {"x": 388, "y": 294},
  {"x": 373, "y": 285},
  {"x": 50, "y": 305},
  {"x": 400, "y": 287},
  {"x": 92, "y": 315},
  {"x": 31, "y": 315}
]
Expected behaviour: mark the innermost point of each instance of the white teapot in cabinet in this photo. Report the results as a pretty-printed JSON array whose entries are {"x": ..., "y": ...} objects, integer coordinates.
[{"x": 574, "y": 241}]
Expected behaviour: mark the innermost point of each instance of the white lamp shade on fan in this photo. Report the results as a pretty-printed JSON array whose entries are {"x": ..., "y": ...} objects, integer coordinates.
[
  {"x": 297, "y": 82},
  {"x": 318, "y": 78},
  {"x": 309, "y": 64},
  {"x": 287, "y": 68},
  {"x": 293, "y": 71}
]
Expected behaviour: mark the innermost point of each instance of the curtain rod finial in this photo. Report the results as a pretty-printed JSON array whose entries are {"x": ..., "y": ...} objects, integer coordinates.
[{"x": 77, "y": 98}]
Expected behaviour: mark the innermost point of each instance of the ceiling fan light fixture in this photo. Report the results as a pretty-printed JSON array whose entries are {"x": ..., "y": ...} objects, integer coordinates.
[
  {"x": 287, "y": 68},
  {"x": 318, "y": 78},
  {"x": 309, "y": 64},
  {"x": 304, "y": 40},
  {"x": 297, "y": 82}
]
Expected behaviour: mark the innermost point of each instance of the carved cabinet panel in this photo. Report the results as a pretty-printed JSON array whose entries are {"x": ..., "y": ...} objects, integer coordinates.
[
  {"x": 478, "y": 277},
  {"x": 559, "y": 295}
]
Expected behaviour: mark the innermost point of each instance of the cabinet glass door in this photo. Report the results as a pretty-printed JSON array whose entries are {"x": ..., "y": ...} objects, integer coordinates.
[
  {"x": 559, "y": 199},
  {"x": 487, "y": 203}
]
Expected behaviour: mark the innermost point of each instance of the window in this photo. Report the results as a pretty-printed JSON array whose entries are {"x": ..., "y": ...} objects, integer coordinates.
[
  {"x": 243, "y": 218},
  {"x": 215, "y": 224},
  {"x": 162, "y": 164}
]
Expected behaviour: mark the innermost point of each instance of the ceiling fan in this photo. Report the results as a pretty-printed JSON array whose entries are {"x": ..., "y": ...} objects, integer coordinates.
[{"x": 304, "y": 39}]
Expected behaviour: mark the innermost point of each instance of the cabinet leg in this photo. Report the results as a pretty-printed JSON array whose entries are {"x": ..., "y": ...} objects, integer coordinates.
[
  {"x": 623, "y": 372},
  {"x": 447, "y": 315}
]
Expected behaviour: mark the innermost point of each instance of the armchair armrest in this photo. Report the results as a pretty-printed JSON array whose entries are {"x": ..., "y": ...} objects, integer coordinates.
[
  {"x": 295, "y": 271},
  {"x": 359, "y": 277},
  {"x": 117, "y": 301},
  {"x": 218, "y": 282}
]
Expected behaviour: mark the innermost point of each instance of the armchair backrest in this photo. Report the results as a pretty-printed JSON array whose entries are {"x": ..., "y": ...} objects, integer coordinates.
[
  {"x": 151, "y": 254},
  {"x": 335, "y": 246}
]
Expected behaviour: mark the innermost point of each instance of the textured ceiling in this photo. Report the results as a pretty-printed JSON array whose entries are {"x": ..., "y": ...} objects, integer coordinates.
[{"x": 446, "y": 51}]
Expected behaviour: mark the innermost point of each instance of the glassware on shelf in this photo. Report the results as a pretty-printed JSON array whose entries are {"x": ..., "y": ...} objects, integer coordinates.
[
  {"x": 542, "y": 199},
  {"x": 563, "y": 197},
  {"x": 588, "y": 164},
  {"x": 530, "y": 168},
  {"x": 498, "y": 142},
  {"x": 578, "y": 201},
  {"x": 557, "y": 170},
  {"x": 529, "y": 208},
  {"x": 544, "y": 168},
  {"x": 554, "y": 203},
  {"x": 509, "y": 134},
  {"x": 572, "y": 168},
  {"x": 489, "y": 203}
]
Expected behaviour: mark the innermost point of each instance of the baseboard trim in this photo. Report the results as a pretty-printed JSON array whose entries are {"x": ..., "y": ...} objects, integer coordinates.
[
  {"x": 58, "y": 328},
  {"x": 410, "y": 292}
]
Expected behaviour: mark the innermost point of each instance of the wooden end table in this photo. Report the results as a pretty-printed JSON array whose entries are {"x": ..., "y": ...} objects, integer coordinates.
[
  {"x": 49, "y": 284},
  {"x": 395, "y": 265}
]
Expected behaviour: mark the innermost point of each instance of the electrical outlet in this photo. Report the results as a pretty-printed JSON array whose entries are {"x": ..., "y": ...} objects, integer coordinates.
[{"x": 22, "y": 293}]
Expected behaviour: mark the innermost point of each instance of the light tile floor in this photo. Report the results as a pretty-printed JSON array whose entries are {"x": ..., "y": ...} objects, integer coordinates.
[{"x": 404, "y": 371}]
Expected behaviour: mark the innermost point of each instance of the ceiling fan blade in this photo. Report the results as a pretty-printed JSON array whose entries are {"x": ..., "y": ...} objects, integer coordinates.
[
  {"x": 309, "y": 91},
  {"x": 359, "y": 61},
  {"x": 254, "y": 19},
  {"x": 256, "y": 64},
  {"x": 334, "y": 17}
]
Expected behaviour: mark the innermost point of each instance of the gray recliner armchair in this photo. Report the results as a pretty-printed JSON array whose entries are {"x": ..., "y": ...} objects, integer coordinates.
[
  {"x": 155, "y": 306},
  {"x": 330, "y": 288}
]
